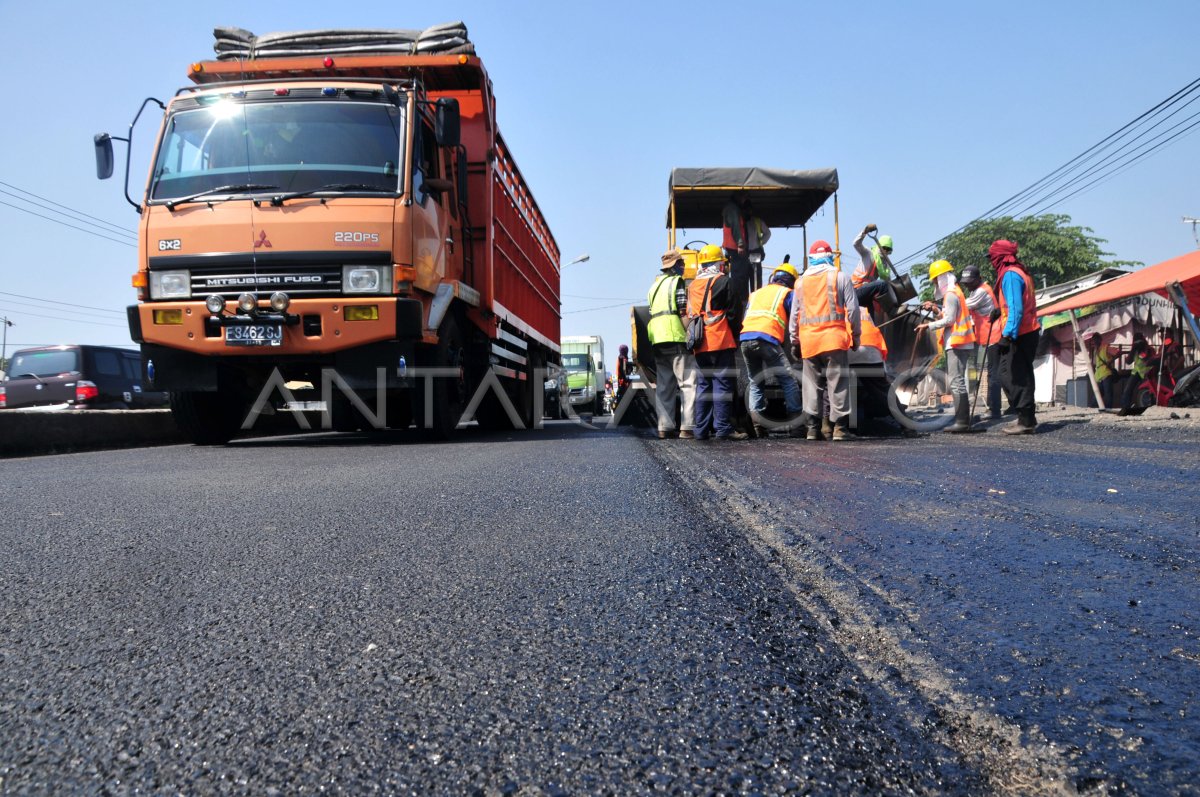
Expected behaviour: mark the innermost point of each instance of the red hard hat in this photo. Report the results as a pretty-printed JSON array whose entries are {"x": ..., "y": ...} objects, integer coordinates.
[{"x": 820, "y": 248}]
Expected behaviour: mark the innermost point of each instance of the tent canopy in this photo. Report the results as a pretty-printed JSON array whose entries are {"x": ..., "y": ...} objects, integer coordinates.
[
  {"x": 781, "y": 198},
  {"x": 1153, "y": 279}
]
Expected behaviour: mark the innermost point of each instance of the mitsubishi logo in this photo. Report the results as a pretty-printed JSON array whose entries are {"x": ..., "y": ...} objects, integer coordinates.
[{"x": 262, "y": 241}]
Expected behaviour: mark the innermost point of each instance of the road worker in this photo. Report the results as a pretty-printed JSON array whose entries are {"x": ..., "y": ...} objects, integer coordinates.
[
  {"x": 986, "y": 315},
  {"x": 1020, "y": 332},
  {"x": 709, "y": 296},
  {"x": 674, "y": 367},
  {"x": 764, "y": 331},
  {"x": 824, "y": 301},
  {"x": 621, "y": 377},
  {"x": 871, "y": 278},
  {"x": 957, "y": 337},
  {"x": 1102, "y": 366},
  {"x": 738, "y": 236}
]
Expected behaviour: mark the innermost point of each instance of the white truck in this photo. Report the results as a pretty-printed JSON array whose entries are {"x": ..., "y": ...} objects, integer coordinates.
[{"x": 583, "y": 364}]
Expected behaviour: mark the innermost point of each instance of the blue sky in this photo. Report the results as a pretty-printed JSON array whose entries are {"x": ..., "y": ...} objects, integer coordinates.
[{"x": 931, "y": 112}]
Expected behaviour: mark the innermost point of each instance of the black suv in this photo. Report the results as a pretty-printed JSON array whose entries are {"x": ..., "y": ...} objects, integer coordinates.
[{"x": 81, "y": 377}]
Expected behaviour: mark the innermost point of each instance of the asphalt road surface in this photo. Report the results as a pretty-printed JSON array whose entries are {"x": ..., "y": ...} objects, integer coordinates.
[{"x": 578, "y": 612}]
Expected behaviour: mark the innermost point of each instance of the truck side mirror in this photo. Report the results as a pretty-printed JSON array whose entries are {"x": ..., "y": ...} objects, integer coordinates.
[
  {"x": 436, "y": 186},
  {"x": 446, "y": 122},
  {"x": 104, "y": 155}
]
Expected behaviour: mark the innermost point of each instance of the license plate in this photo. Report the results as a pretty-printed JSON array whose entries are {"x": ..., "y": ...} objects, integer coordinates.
[{"x": 254, "y": 335}]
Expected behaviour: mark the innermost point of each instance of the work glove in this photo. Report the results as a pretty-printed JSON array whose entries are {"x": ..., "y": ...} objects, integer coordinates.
[
  {"x": 870, "y": 228},
  {"x": 995, "y": 316},
  {"x": 796, "y": 352},
  {"x": 854, "y": 344},
  {"x": 1004, "y": 345}
]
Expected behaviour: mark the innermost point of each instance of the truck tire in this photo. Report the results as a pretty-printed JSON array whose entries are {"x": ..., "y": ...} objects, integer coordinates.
[
  {"x": 450, "y": 394},
  {"x": 207, "y": 419}
]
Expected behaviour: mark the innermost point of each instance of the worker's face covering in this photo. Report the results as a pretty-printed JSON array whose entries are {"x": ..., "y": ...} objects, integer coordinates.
[{"x": 942, "y": 284}]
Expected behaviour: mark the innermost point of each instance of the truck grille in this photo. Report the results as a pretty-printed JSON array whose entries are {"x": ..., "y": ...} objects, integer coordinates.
[{"x": 308, "y": 281}]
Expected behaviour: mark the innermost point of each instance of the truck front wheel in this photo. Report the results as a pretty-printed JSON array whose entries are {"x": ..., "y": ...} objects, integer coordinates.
[{"x": 207, "y": 419}]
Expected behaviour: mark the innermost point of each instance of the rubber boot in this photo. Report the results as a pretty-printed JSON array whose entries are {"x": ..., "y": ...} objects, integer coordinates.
[
  {"x": 887, "y": 300},
  {"x": 962, "y": 414}
]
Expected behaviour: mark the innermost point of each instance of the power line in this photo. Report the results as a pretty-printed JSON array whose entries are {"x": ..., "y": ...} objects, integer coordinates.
[
  {"x": 72, "y": 226},
  {"x": 628, "y": 303},
  {"x": 115, "y": 227},
  {"x": 19, "y": 313},
  {"x": 1129, "y": 153},
  {"x": 1095, "y": 149},
  {"x": 71, "y": 312},
  {"x": 1121, "y": 167},
  {"x": 67, "y": 304}
]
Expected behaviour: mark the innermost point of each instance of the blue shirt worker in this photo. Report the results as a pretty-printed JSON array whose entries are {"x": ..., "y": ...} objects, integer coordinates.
[{"x": 1020, "y": 333}]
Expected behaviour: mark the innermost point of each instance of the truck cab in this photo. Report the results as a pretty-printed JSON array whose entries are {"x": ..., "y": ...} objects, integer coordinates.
[
  {"x": 355, "y": 220},
  {"x": 583, "y": 363}
]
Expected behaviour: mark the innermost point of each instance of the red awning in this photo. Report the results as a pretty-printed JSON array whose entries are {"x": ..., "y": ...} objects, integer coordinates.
[{"x": 1153, "y": 279}]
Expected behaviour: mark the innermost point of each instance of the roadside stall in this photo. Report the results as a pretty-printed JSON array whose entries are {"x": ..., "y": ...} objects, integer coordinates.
[{"x": 1157, "y": 302}]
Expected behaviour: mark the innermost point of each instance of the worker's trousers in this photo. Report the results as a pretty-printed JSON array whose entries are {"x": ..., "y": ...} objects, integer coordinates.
[
  {"x": 826, "y": 373},
  {"x": 764, "y": 361},
  {"x": 1016, "y": 374},
  {"x": 715, "y": 390},
  {"x": 675, "y": 386},
  {"x": 957, "y": 362}
]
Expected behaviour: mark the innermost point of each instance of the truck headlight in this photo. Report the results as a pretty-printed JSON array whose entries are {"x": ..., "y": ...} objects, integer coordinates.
[
  {"x": 366, "y": 279},
  {"x": 171, "y": 284},
  {"x": 551, "y": 384}
]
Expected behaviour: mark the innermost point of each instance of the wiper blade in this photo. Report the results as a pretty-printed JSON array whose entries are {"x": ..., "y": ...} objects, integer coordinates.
[
  {"x": 221, "y": 189},
  {"x": 279, "y": 199},
  {"x": 22, "y": 376}
]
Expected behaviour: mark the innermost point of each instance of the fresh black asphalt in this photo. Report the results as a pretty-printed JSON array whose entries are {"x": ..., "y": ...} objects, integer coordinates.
[{"x": 541, "y": 613}]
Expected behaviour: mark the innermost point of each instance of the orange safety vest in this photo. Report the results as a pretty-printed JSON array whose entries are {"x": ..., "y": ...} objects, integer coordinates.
[
  {"x": 765, "y": 312},
  {"x": 871, "y": 335},
  {"x": 821, "y": 315},
  {"x": 1029, "y": 320},
  {"x": 985, "y": 323},
  {"x": 718, "y": 336},
  {"x": 862, "y": 276},
  {"x": 962, "y": 331}
]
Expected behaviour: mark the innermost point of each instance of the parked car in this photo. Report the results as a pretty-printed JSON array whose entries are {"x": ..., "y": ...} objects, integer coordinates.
[{"x": 77, "y": 377}]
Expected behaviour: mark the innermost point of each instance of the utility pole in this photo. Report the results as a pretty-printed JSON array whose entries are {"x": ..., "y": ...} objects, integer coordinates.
[
  {"x": 4, "y": 345},
  {"x": 1193, "y": 222}
]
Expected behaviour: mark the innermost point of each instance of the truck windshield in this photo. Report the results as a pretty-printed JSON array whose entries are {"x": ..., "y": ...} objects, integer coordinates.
[
  {"x": 575, "y": 362},
  {"x": 295, "y": 145},
  {"x": 43, "y": 363}
]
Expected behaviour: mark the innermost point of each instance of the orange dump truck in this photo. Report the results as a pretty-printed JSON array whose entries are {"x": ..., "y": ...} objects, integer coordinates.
[{"x": 353, "y": 223}]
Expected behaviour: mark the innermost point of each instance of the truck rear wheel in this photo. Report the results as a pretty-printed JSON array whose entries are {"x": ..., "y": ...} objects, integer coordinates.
[{"x": 207, "y": 419}]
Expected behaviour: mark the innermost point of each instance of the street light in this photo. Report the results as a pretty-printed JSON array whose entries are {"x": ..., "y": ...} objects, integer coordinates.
[{"x": 580, "y": 259}]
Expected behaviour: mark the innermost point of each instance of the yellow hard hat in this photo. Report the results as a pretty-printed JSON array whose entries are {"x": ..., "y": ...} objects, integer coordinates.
[
  {"x": 786, "y": 268},
  {"x": 711, "y": 253},
  {"x": 939, "y": 268}
]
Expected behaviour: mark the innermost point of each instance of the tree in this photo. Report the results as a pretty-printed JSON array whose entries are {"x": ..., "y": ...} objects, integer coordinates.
[{"x": 1049, "y": 247}]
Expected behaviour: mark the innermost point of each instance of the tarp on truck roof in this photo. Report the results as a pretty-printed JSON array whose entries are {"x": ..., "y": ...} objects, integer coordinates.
[
  {"x": 781, "y": 197},
  {"x": 238, "y": 43}
]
